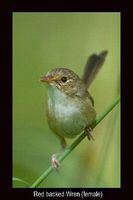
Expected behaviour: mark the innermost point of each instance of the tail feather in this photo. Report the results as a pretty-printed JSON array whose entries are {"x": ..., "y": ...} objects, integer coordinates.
[{"x": 93, "y": 65}]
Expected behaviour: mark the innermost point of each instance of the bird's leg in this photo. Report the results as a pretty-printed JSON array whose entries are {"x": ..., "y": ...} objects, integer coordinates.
[
  {"x": 88, "y": 132},
  {"x": 63, "y": 143},
  {"x": 54, "y": 160}
]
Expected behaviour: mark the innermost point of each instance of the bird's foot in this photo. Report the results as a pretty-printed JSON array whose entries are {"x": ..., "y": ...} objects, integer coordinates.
[
  {"x": 88, "y": 132},
  {"x": 55, "y": 162}
]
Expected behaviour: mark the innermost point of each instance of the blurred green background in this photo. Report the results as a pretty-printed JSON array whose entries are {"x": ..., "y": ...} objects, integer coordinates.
[{"x": 41, "y": 42}]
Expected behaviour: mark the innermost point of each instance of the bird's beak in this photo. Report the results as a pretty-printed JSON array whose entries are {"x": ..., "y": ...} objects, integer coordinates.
[{"x": 48, "y": 79}]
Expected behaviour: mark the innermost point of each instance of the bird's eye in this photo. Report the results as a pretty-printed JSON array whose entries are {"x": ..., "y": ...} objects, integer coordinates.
[{"x": 64, "y": 79}]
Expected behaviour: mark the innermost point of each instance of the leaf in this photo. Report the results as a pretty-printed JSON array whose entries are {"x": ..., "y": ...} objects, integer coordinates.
[{"x": 22, "y": 181}]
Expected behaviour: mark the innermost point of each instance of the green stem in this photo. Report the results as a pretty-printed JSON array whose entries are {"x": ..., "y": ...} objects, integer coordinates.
[{"x": 68, "y": 150}]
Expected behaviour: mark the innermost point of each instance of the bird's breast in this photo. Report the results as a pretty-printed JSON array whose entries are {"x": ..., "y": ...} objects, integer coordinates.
[{"x": 65, "y": 115}]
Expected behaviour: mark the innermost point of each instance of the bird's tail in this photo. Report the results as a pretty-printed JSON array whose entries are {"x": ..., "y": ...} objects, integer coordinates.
[{"x": 93, "y": 65}]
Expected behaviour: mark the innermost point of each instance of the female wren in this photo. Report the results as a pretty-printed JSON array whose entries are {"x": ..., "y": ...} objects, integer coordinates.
[{"x": 70, "y": 105}]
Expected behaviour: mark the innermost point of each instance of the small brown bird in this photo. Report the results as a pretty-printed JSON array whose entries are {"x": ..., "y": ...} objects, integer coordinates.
[{"x": 70, "y": 105}]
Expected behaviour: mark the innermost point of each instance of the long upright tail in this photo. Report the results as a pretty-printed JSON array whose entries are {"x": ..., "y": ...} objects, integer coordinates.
[{"x": 93, "y": 65}]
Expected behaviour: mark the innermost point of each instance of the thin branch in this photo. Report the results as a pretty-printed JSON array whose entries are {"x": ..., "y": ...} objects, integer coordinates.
[{"x": 69, "y": 149}]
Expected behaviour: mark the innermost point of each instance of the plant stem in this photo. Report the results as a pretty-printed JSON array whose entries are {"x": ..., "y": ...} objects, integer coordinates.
[{"x": 69, "y": 149}]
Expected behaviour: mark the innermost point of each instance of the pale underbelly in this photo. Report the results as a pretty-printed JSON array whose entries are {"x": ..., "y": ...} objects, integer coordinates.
[
  {"x": 67, "y": 117},
  {"x": 67, "y": 123}
]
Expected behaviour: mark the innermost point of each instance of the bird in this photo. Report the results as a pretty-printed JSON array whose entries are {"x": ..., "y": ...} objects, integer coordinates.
[{"x": 70, "y": 106}]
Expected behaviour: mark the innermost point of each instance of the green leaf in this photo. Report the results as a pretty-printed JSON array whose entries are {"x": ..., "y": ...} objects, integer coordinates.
[{"x": 22, "y": 181}]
